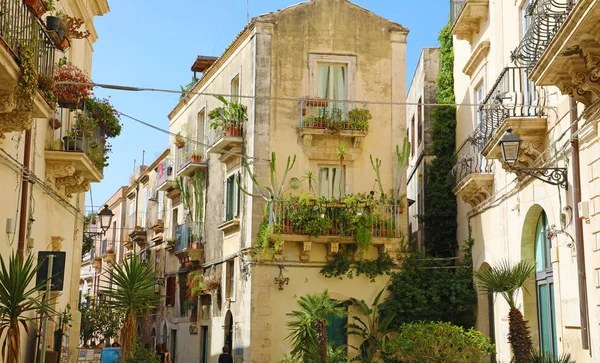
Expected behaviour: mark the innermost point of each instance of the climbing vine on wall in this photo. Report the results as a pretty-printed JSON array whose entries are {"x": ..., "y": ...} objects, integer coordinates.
[{"x": 440, "y": 202}]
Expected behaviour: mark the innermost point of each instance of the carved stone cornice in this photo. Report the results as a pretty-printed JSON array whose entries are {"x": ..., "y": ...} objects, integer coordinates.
[
  {"x": 473, "y": 13},
  {"x": 58, "y": 170},
  {"x": 82, "y": 187},
  {"x": 475, "y": 188},
  {"x": 15, "y": 121},
  {"x": 477, "y": 56}
]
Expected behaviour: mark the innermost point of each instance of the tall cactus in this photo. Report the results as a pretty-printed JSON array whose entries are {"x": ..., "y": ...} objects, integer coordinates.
[
  {"x": 272, "y": 192},
  {"x": 402, "y": 153}
]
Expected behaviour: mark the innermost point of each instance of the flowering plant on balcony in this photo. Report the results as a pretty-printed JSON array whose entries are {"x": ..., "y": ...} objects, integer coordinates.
[
  {"x": 70, "y": 93},
  {"x": 195, "y": 282},
  {"x": 98, "y": 153},
  {"x": 106, "y": 116},
  {"x": 84, "y": 126},
  {"x": 231, "y": 115},
  {"x": 211, "y": 284}
]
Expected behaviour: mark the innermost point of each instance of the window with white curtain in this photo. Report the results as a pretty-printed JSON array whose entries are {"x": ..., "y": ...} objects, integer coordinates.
[
  {"x": 332, "y": 81},
  {"x": 331, "y": 181}
]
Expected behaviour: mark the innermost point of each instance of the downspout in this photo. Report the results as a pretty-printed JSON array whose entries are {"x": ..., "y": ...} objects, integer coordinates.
[
  {"x": 24, "y": 197},
  {"x": 137, "y": 192},
  {"x": 581, "y": 276}
]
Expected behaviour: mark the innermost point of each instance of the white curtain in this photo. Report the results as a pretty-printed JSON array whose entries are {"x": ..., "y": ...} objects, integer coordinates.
[{"x": 323, "y": 81}]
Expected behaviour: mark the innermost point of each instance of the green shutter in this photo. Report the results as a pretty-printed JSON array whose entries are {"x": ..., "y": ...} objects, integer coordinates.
[{"x": 336, "y": 331}]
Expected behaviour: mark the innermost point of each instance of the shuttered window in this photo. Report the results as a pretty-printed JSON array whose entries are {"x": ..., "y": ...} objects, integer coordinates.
[{"x": 231, "y": 198}]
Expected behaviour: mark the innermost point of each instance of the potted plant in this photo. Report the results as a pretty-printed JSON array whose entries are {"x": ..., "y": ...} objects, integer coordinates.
[
  {"x": 196, "y": 156},
  {"x": 316, "y": 102},
  {"x": 105, "y": 116},
  {"x": 179, "y": 141},
  {"x": 37, "y": 7},
  {"x": 211, "y": 284},
  {"x": 229, "y": 118},
  {"x": 359, "y": 118},
  {"x": 68, "y": 95}
]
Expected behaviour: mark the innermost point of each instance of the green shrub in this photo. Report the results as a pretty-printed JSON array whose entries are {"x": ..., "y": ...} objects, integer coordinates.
[{"x": 438, "y": 342}]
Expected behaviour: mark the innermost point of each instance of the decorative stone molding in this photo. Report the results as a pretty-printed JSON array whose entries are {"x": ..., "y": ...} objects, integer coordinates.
[
  {"x": 532, "y": 132},
  {"x": 477, "y": 56},
  {"x": 70, "y": 172},
  {"x": 8, "y": 102},
  {"x": 311, "y": 135},
  {"x": 473, "y": 13},
  {"x": 475, "y": 188},
  {"x": 57, "y": 243},
  {"x": 15, "y": 121},
  {"x": 305, "y": 254},
  {"x": 59, "y": 170}
]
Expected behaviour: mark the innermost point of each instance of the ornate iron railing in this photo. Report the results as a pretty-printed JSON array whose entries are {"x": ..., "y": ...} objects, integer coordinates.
[
  {"x": 17, "y": 26},
  {"x": 469, "y": 161},
  {"x": 334, "y": 115},
  {"x": 513, "y": 95},
  {"x": 545, "y": 18},
  {"x": 456, "y": 7}
]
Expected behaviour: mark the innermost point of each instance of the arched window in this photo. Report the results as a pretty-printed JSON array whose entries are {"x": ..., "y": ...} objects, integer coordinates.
[{"x": 545, "y": 287}]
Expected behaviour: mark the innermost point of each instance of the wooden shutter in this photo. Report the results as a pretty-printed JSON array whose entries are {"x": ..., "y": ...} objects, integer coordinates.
[
  {"x": 170, "y": 295},
  {"x": 236, "y": 196}
]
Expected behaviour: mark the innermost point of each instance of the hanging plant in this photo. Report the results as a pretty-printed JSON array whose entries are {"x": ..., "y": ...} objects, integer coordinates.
[
  {"x": 69, "y": 94},
  {"x": 106, "y": 116},
  {"x": 27, "y": 86}
]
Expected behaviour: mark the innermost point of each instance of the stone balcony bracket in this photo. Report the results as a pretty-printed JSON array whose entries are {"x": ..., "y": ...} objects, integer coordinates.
[
  {"x": 475, "y": 188},
  {"x": 70, "y": 172},
  {"x": 310, "y": 136},
  {"x": 305, "y": 254},
  {"x": 473, "y": 13},
  {"x": 532, "y": 132}
]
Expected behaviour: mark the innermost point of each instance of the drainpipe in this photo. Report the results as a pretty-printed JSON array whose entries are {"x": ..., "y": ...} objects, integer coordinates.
[
  {"x": 24, "y": 197},
  {"x": 581, "y": 277},
  {"x": 137, "y": 192}
]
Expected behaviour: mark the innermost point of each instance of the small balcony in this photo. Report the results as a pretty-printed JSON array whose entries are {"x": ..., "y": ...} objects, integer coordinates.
[
  {"x": 514, "y": 102},
  {"x": 137, "y": 225},
  {"x": 19, "y": 26},
  {"x": 335, "y": 223},
  {"x": 226, "y": 141},
  {"x": 190, "y": 159},
  {"x": 562, "y": 48},
  {"x": 73, "y": 158},
  {"x": 472, "y": 177},
  {"x": 320, "y": 118},
  {"x": 188, "y": 242},
  {"x": 165, "y": 175},
  {"x": 466, "y": 17}
]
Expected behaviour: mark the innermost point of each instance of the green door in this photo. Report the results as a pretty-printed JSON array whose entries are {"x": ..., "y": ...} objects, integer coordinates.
[
  {"x": 336, "y": 331},
  {"x": 545, "y": 288}
]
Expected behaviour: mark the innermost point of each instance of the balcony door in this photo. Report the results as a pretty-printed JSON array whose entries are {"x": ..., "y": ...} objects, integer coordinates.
[
  {"x": 332, "y": 84},
  {"x": 545, "y": 288}
]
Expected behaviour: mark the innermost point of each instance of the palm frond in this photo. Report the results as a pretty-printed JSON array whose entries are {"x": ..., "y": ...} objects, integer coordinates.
[
  {"x": 505, "y": 278},
  {"x": 545, "y": 357}
]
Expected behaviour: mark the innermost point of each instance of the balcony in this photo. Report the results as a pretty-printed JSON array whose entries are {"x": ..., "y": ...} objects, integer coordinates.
[
  {"x": 226, "y": 142},
  {"x": 188, "y": 242},
  {"x": 472, "y": 177},
  {"x": 466, "y": 17},
  {"x": 515, "y": 102},
  {"x": 70, "y": 154},
  {"x": 320, "y": 119},
  {"x": 335, "y": 223},
  {"x": 563, "y": 49},
  {"x": 545, "y": 17},
  {"x": 17, "y": 26},
  {"x": 190, "y": 159},
  {"x": 137, "y": 226},
  {"x": 165, "y": 176}
]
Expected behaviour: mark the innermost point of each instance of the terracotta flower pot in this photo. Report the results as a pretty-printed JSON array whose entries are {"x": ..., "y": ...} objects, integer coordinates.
[
  {"x": 37, "y": 7},
  {"x": 54, "y": 123}
]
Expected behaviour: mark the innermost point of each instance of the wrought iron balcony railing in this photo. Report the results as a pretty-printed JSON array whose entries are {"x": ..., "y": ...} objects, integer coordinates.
[
  {"x": 545, "y": 18},
  {"x": 18, "y": 26},
  {"x": 334, "y": 115},
  {"x": 513, "y": 95},
  {"x": 469, "y": 161},
  {"x": 299, "y": 218},
  {"x": 187, "y": 235},
  {"x": 456, "y": 7}
]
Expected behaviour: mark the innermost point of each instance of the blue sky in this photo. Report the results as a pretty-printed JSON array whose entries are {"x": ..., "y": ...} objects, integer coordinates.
[{"x": 153, "y": 44}]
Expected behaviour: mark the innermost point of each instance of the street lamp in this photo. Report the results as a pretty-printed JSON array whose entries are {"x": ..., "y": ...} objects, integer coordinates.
[
  {"x": 510, "y": 145},
  {"x": 106, "y": 216}
]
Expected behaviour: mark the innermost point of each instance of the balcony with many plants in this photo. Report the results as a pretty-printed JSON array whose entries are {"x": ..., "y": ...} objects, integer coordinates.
[
  {"x": 190, "y": 158},
  {"x": 78, "y": 143},
  {"x": 226, "y": 128},
  {"x": 321, "y": 118},
  {"x": 26, "y": 59}
]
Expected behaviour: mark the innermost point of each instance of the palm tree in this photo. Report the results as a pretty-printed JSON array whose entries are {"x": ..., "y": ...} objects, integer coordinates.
[
  {"x": 308, "y": 326},
  {"x": 17, "y": 301},
  {"x": 133, "y": 294},
  {"x": 506, "y": 279},
  {"x": 373, "y": 329},
  {"x": 544, "y": 357}
]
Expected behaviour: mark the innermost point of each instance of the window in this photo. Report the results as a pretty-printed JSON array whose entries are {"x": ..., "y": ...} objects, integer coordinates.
[
  {"x": 170, "y": 293},
  {"x": 331, "y": 181},
  {"x": 332, "y": 81},
  {"x": 479, "y": 97},
  {"x": 156, "y": 260},
  {"x": 205, "y": 301},
  {"x": 412, "y": 136},
  {"x": 174, "y": 224},
  {"x": 235, "y": 88},
  {"x": 231, "y": 198},
  {"x": 201, "y": 124},
  {"x": 104, "y": 243},
  {"x": 161, "y": 205},
  {"x": 420, "y": 121},
  {"x": 229, "y": 278},
  {"x": 545, "y": 287}
]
